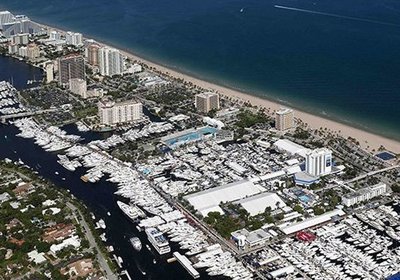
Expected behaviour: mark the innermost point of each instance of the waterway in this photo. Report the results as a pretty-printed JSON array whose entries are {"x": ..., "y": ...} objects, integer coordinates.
[{"x": 99, "y": 197}]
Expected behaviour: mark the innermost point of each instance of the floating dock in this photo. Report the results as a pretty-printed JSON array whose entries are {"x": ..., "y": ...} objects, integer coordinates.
[{"x": 187, "y": 264}]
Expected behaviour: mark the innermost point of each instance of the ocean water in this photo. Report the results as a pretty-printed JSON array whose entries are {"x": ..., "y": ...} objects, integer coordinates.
[{"x": 335, "y": 58}]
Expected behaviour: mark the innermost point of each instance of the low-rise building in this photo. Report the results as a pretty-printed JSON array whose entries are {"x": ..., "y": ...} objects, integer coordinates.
[
  {"x": 243, "y": 237},
  {"x": 80, "y": 268},
  {"x": 78, "y": 87},
  {"x": 58, "y": 232},
  {"x": 364, "y": 194}
]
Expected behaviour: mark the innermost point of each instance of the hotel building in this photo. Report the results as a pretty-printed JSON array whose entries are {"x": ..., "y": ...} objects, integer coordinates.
[
  {"x": 111, "y": 62},
  {"x": 71, "y": 67},
  {"x": 5, "y": 17},
  {"x": 284, "y": 119},
  {"x": 364, "y": 194},
  {"x": 20, "y": 39},
  {"x": 111, "y": 113},
  {"x": 74, "y": 39},
  {"x": 207, "y": 101},
  {"x": 92, "y": 54},
  {"x": 319, "y": 162}
]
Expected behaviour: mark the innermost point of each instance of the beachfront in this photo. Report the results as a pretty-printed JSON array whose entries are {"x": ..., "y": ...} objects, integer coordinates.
[{"x": 367, "y": 140}]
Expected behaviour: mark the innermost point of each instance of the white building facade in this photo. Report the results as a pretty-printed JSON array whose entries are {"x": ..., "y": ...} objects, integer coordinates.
[
  {"x": 111, "y": 62},
  {"x": 74, "y": 39},
  {"x": 319, "y": 162},
  {"x": 364, "y": 194},
  {"x": 111, "y": 113}
]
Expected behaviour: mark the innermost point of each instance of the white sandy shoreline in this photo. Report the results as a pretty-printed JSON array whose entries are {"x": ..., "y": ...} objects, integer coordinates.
[{"x": 366, "y": 139}]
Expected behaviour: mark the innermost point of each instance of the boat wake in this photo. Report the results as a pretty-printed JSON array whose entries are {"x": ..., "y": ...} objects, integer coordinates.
[{"x": 337, "y": 16}]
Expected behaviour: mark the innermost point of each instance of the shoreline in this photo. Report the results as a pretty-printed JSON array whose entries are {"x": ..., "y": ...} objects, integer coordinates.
[{"x": 368, "y": 140}]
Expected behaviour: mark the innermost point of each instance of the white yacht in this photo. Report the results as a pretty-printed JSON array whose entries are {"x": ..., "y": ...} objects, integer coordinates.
[
  {"x": 131, "y": 211},
  {"x": 136, "y": 244},
  {"x": 157, "y": 239}
]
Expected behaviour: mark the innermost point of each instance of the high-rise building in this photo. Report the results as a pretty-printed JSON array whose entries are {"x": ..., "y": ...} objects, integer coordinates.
[
  {"x": 207, "y": 101},
  {"x": 23, "y": 51},
  {"x": 20, "y": 39},
  {"x": 92, "y": 54},
  {"x": 112, "y": 113},
  {"x": 71, "y": 67},
  {"x": 21, "y": 24},
  {"x": 284, "y": 119},
  {"x": 5, "y": 17},
  {"x": 73, "y": 38},
  {"x": 55, "y": 35},
  {"x": 111, "y": 62},
  {"x": 33, "y": 51},
  {"x": 78, "y": 86},
  {"x": 319, "y": 162},
  {"x": 13, "y": 48},
  {"x": 49, "y": 72}
]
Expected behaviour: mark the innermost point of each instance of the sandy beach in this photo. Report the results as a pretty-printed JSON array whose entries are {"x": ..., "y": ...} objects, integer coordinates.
[{"x": 367, "y": 140}]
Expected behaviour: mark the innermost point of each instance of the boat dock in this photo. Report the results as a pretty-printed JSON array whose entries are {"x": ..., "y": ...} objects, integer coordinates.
[
  {"x": 126, "y": 273},
  {"x": 186, "y": 263}
]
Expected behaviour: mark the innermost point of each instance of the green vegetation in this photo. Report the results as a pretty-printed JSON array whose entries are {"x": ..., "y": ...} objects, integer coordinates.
[
  {"x": 396, "y": 188},
  {"x": 247, "y": 119},
  {"x": 318, "y": 210},
  {"x": 223, "y": 224},
  {"x": 81, "y": 113},
  {"x": 298, "y": 208},
  {"x": 301, "y": 133},
  {"x": 23, "y": 231}
]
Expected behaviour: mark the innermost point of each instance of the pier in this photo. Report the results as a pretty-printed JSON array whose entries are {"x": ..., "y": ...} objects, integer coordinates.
[{"x": 186, "y": 263}]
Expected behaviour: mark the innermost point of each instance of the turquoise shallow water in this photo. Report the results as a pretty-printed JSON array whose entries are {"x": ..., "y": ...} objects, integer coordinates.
[{"x": 339, "y": 59}]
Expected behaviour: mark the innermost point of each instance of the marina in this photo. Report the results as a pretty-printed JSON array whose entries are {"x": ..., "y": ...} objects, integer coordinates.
[{"x": 163, "y": 218}]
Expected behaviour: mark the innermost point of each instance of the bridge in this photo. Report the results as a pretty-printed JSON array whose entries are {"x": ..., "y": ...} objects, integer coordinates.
[
  {"x": 4, "y": 118},
  {"x": 373, "y": 173}
]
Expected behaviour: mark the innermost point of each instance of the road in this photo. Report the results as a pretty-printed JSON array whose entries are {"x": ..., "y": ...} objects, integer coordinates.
[
  {"x": 372, "y": 173},
  {"x": 93, "y": 244},
  {"x": 4, "y": 118}
]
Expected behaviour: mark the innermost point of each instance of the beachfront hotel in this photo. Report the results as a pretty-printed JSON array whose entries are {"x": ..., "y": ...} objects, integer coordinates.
[
  {"x": 319, "y": 162},
  {"x": 71, "y": 67},
  {"x": 284, "y": 119},
  {"x": 73, "y": 38},
  {"x": 20, "y": 39},
  {"x": 111, "y": 113},
  {"x": 111, "y": 62},
  {"x": 207, "y": 101},
  {"x": 92, "y": 54},
  {"x": 5, "y": 17},
  {"x": 78, "y": 87}
]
